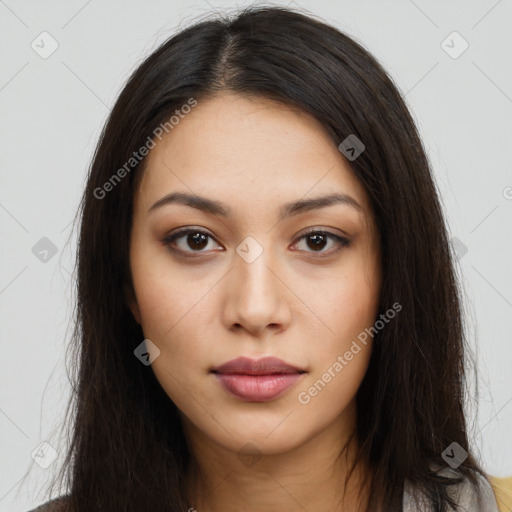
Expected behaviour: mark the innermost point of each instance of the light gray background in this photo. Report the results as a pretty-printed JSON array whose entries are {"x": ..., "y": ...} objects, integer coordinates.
[{"x": 52, "y": 111}]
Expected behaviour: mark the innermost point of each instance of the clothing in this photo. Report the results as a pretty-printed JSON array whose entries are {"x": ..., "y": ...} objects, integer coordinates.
[{"x": 469, "y": 498}]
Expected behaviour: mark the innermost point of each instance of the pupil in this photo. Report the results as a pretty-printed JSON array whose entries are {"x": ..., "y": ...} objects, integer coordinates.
[
  {"x": 197, "y": 242},
  {"x": 320, "y": 239}
]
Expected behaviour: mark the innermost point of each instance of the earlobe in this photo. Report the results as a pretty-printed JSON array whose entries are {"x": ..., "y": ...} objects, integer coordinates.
[
  {"x": 134, "y": 307},
  {"x": 131, "y": 302}
]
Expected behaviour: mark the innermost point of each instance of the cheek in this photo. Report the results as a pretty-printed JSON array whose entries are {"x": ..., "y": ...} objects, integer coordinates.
[
  {"x": 174, "y": 322},
  {"x": 350, "y": 304},
  {"x": 175, "y": 313},
  {"x": 342, "y": 355},
  {"x": 166, "y": 296},
  {"x": 185, "y": 358}
]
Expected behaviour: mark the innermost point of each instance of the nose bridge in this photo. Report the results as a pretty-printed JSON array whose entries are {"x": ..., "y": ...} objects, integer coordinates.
[
  {"x": 256, "y": 294},
  {"x": 253, "y": 262}
]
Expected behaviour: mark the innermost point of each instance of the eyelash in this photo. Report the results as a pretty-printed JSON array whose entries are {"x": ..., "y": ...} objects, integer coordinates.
[{"x": 341, "y": 241}]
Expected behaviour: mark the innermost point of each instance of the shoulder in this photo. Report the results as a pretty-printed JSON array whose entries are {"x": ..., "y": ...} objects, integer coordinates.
[
  {"x": 502, "y": 487},
  {"x": 54, "y": 505},
  {"x": 468, "y": 496},
  {"x": 479, "y": 498}
]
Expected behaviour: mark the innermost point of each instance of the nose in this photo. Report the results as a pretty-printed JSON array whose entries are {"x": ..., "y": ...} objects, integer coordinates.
[{"x": 257, "y": 296}]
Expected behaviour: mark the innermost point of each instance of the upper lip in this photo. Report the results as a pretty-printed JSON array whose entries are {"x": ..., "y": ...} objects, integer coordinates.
[{"x": 263, "y": 366}]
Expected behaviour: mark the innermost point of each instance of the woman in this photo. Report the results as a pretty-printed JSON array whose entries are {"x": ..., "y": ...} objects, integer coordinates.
[{"x": 268, "y": 315}]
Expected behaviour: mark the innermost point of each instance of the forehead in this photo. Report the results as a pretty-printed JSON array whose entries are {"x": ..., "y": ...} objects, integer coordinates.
[{"x": 251, "y": 149}]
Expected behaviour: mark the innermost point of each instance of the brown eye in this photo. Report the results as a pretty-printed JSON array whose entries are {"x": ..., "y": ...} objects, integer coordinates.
[
  {"x": 197, "y": 240},
  {"x": 193, "y": 242},
  {"x": 188, "y": 240},
  {"x": 317, "y": 241}
]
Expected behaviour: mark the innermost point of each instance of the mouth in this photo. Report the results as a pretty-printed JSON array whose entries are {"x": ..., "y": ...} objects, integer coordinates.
[{"x": 257, "y": 380}]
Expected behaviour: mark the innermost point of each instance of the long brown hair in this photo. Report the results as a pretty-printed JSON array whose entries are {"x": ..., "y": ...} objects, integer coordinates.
[{"x": 127, "y": 449}]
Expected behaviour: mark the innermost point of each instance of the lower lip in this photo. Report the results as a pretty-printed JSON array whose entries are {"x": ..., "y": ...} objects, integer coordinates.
[{"x": 258, "y": 388}]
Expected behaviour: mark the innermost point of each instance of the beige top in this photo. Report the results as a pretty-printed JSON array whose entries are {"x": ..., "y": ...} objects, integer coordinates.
[{"x": 467, "y": 496}]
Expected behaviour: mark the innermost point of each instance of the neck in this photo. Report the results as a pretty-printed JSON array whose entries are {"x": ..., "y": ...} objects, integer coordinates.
[{"x": 309, "y": 477}]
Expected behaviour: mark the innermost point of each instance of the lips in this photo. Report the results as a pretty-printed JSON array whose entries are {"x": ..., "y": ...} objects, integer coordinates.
[
  {"x": 263, "y": 366},
  {"x": 257, "y": 380}
]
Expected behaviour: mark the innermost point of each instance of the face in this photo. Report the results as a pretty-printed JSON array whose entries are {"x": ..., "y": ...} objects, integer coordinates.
[{"x": 263, "y": 272}]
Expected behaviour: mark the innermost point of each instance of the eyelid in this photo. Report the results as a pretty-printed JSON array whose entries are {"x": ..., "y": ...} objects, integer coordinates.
[
  {"x": 341, "y": 241},
  {"x": 180, "y": 232},
  {"x": 321, "y": 230}
]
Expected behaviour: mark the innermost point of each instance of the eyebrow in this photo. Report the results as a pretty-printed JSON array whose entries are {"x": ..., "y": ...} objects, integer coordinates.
[{"x": 287, "y": 210}]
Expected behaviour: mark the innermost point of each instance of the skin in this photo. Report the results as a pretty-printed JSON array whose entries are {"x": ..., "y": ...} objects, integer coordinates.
[{"x": 303, "y": 304}]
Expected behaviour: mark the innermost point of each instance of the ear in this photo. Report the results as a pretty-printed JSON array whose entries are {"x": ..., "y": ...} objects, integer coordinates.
[{"x": 131, "y": 302}]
